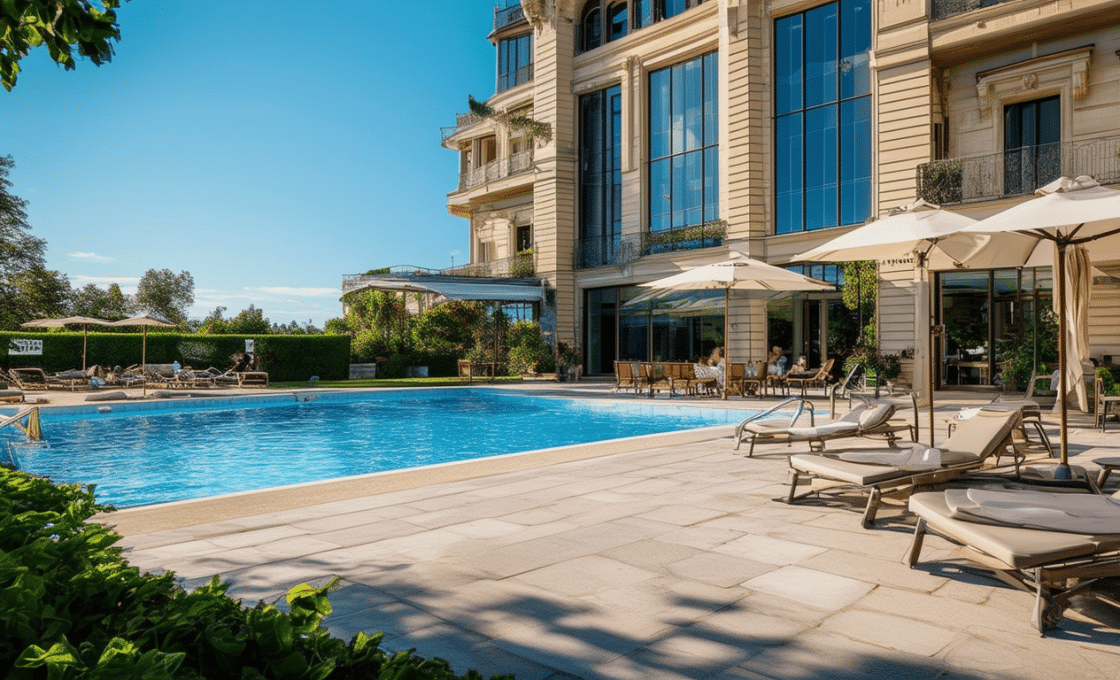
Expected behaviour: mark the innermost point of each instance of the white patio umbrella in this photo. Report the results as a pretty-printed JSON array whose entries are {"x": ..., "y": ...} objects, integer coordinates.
[
  {"x": 932, "y": 235},
  {"x": 1068, "y": 213},
  {"x": 144, "y": 321},
  {"x": 59, "y": 323},
  {"x": 738, "y": 273}
]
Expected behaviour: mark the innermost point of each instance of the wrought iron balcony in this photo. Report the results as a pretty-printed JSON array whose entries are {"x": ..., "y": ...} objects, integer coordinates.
[
  {"x": 462, "y": 120},
  {"x": 514, "y": 164},
  {"x": 508, "y": 15},
  {"x": 943, "y": 9},
  {"x": 520, "y": 266},
  {"x": 619, "y": 249},
  {"x": 1017, "y": 171}
]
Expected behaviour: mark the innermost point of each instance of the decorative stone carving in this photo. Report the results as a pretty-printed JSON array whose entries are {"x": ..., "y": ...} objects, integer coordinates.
[
  {"x": 1050, "y": 73},
  {"x": 538, "y": 12}
]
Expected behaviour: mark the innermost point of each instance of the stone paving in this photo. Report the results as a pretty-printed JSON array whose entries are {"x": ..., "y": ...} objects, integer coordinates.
[{"x": 675, "y": 560}]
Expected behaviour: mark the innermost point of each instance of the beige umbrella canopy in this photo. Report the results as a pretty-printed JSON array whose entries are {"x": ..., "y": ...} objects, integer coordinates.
[
  {"x": 1067, "y": 213},
  {"x": 919, "y": 228},
  {"x": 65, "y": 321},
  {"x": 738, "y": 273}
]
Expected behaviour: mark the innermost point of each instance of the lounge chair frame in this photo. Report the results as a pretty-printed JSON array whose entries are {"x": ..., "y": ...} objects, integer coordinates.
[
  {"x": 1053, "y": 581},
  {"x": 882, "y": 426},
  {"x": 835, "y": 476}
]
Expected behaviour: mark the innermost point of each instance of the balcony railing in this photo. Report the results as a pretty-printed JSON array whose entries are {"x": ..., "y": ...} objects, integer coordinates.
[
  {"x": 943, "y": 9},
  {"x": 508, "y": 15},
  {"x": 462, "y": 120},
  {"x": 1017, "y": 171},
  {"x": 519, "y": 266},
  {"x": 619, "y": 249},
  {"x": 515, "y": 164}
]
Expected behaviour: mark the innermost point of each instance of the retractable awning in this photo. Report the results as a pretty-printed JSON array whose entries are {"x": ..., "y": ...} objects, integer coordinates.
[{"x": 459, "y": 288}]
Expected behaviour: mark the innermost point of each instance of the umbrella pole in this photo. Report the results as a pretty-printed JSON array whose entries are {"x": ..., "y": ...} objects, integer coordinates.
[
  {"x": 1062, "y": 471},
  {"x": 144, "y": 363},
  {"x": 726, "y": 339},
  {"x": 85, "y": 336}
]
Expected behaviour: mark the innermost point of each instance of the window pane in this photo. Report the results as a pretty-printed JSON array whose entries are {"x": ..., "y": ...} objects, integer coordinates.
[
  {"x": 711, "y": 184},
  {"x": 643, "y": 13},
  {"x": 855, "y": 161},
  {"x": 820, "y": 55},
  {"x": 673, "y": 7},
  {"x": 693, "y": 105},
  {"x": 659, "y": 189},
  {"x": 820, "y": 167},
  {"x": 788, "y": 166},
  {"x": 788, "y": 71},
  {"x": 618, "y": 22},
  {"x": 659, "y": 118},
  {"x": 711, "y": 96},
  {"x": 693, "y": 196},
  {"x": 677, "y": 111},
  {"x": 855, "y": 46}
]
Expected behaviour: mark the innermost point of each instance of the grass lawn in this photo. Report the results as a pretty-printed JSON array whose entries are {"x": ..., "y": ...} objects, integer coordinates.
[{"x": 387, "y": 382}]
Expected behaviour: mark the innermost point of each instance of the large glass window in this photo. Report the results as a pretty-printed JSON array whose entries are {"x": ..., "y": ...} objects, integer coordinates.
[
  {"x": 1032, "y": 134},
  {"x": 617, "y": 21},
  {"x": 515, "y": 61},
  {"x": 600, "y": 175},
  {"x": 684, "y": 144},
  {"x": 822, "y": 124}
]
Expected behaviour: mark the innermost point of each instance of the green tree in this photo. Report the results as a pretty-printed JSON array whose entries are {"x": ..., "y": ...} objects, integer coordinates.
[
  {"x": 214, "y": 323},
  {"x": 19, "y": 250},
  {"x": 35, "y": 294},
  {"x": 165, "y": 294},
  {"x": 860, "y": 292},
  {"x": 250, "y": 321},
  {"x": 92, "y": 300},
  {"x": 61, "y": 26}
]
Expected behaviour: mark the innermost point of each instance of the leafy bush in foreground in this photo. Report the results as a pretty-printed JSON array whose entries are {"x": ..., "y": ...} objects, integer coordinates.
[{"x": 72, "y": 607}]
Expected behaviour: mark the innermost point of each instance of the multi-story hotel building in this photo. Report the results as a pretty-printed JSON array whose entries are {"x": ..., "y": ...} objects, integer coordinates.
[{"x": 632, "y": 139}]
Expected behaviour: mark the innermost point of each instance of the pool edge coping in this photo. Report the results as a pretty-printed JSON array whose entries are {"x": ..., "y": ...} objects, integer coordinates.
[{"x": 180, "y": 514}]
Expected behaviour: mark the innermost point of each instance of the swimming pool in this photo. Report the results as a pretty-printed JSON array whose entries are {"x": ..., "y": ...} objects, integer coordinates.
[{"x": 200, "y": 448}]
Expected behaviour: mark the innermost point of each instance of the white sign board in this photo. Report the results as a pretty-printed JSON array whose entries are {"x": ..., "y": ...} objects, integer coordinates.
[
  {"x": 249, "y": 345},
  {"x": 25, "y": 346}
]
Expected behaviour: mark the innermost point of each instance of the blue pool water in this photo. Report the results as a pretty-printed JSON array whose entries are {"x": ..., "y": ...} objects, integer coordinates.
[{"x": 198, "y": 450}]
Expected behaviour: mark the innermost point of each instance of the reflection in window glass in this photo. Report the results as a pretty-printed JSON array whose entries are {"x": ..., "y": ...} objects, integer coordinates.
[
  {"x": 683, "y": 140},
  {"x": 823, "y": 117},
  {"x": 616, "y": 18}
]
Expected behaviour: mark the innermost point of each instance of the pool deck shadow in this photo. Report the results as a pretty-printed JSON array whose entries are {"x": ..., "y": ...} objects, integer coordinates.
[{"x": 667, "y": 556}]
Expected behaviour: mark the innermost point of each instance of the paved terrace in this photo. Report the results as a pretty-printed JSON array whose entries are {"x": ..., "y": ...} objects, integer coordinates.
[{"x": 669, "y": 556}]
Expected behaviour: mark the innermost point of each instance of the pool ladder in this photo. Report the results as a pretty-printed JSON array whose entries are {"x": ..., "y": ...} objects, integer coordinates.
[{"x": 31, "y": 427}]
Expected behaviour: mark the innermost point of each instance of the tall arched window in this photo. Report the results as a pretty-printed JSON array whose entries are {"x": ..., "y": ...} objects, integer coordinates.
[
  {"x": 643, "y": 13},
  {"x": 617, "y": 24},
  {"x": 591, "y": 27}
]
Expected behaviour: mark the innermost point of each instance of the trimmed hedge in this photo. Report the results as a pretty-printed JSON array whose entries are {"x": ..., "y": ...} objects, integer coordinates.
[
  {"x": 72, "y": 607},
  {"x": 285, "y": 357}
]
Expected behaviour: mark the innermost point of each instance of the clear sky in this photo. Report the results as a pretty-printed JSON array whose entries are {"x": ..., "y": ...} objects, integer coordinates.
[{"x": 268, "y": 147}]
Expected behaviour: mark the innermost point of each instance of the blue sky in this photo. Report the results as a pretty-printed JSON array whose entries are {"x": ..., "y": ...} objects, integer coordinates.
[{"x": 268, "y": 147}]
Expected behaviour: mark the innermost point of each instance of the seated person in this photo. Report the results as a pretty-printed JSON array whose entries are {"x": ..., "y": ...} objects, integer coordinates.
[{"x": 776, "y": 362}]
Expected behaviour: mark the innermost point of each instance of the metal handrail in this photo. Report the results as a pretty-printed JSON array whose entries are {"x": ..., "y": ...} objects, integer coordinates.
[
  {"x": 31, "y": 428},
  {"x": 801, "y": 404}
]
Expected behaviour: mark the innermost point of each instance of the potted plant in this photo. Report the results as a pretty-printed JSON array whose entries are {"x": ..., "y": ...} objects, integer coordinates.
[{"x": 571, "y": 360}]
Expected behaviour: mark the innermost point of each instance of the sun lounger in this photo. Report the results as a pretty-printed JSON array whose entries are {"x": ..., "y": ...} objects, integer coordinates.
[
  {"x": 868, "y": 418},
  {"x": 986, "y": 434},
  {"x": 37, "y": 379},
  {"x": 12, "y": 396},
  {"x": 1055, "y": 544},
  {"x": 252, "y": 379},
  {"x": 817, "y": 378}
]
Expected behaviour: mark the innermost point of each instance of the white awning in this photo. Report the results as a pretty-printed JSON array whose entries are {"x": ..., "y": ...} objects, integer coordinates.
[{"x": 459, "y": 288}]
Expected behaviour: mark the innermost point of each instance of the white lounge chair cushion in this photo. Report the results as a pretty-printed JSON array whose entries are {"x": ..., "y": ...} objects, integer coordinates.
[
  {"x": 825, "y": 430},
  {"x": 1017, "y": 547},
  {"x": 876, "y": 415},
  {"x": 916, "y": 458},
  {"x": 1070, "y": 513}
]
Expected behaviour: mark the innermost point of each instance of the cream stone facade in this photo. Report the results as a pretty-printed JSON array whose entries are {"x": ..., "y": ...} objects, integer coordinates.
[{"x": 921, "y": 95}]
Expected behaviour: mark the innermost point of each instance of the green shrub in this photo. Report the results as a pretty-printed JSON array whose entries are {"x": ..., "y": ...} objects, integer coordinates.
[
  {"x": 72, "y": 607},
  {"x": 285, "y": 357},
  {"x": 527, "y": 350}
]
